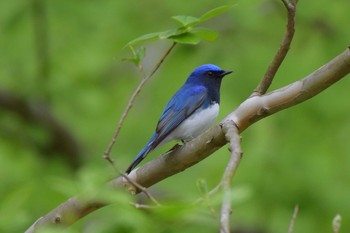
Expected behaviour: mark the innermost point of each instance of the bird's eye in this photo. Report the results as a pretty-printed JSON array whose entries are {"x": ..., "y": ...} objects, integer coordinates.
[{"x": 210, "y": 74}]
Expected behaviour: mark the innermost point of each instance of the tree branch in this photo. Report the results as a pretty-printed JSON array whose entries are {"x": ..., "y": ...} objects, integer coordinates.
[
  {"x": 292, "y": 220},
  {"x": 258, "y": 107},
  {"x": 250, "y": 111},
  {"x": 231, "y": 130},
  {"x": 232, "y": 136},
  {"x": 34, "y": 112},
  {"x": 282, "y": 51},
  {"x": 66, "y": 213}
]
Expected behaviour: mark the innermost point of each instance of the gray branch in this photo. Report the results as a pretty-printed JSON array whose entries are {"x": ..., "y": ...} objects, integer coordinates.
[{"x": 234, "y": 140}]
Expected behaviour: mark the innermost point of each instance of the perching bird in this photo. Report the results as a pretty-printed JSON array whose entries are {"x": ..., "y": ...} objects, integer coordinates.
[{"x": 190, "y": 112}]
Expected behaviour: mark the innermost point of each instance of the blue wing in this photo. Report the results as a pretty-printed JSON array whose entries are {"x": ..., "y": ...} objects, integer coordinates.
[{"x": 185, "y": 102}]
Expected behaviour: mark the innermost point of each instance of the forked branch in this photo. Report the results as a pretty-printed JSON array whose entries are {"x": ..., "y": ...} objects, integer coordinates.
[
  {"x": 245, "y": 115},
  {"x": 282, "y": 51},
  {"x": 231, "y": 131},
  {"x": 255, "y": 108}
]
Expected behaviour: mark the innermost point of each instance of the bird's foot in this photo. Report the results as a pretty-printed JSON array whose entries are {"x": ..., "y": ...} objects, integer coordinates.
[{"x": 175, "y": 147}]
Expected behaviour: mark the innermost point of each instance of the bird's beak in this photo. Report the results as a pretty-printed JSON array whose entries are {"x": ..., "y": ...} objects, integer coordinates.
[{"x": 226, "y": 72}]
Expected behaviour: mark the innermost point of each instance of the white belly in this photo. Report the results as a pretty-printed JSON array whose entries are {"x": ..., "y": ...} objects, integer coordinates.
[{"x": 195, "y": 125}]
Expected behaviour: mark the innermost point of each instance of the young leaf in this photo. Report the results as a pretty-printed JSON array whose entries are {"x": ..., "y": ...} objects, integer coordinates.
[
  {"x": 147, "y": 37},
  {"x": 172, "y": 32},
  {"x": 186, "y": 34},
  {"x": 186, "y": 38},
  {"x": 205, "y": 34},
  {"x": 214, "y": 12},
  {"x": 186, "y": 21},
  {"x": 138, "y": 55}
]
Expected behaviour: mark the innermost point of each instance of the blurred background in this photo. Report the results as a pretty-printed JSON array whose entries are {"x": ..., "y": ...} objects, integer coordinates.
[{"x": 63, "y": 88}]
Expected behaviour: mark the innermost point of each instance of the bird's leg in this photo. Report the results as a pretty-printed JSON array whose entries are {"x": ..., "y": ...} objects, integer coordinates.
[{"x": 175, "y": 147}]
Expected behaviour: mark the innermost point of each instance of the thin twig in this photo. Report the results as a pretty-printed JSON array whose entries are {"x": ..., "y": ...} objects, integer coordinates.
[
  {"x": 135, "y": 186},
  {"x": 231, "y": 132},
  {"x": 292, "y": 220},
  {"x": 282, "y": 51},
  {"x": 209, "y": 194},
  {"x": 205, "y": 198},
  {"x": 107, "y": 152},
  {"x": 143, "y": 206},
  {"x": 140, "y": 187}
]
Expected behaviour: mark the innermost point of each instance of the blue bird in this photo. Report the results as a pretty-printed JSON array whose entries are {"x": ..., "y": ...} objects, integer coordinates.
[{"x": 190, "y": 112}]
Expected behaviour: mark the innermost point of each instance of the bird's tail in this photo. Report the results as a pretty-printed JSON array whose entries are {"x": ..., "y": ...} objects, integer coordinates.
[{"x": 143, "y": 153}]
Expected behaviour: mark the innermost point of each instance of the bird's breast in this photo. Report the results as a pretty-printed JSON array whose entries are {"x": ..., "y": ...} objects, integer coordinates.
[{"x": 196, "y": 124}]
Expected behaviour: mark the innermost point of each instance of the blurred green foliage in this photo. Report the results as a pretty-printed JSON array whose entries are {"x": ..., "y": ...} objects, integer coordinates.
[{"x": 298, "y": 156}]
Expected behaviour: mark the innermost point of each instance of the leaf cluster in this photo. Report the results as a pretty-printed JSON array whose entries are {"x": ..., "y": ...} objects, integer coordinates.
[{"x": 187, "y": 33}]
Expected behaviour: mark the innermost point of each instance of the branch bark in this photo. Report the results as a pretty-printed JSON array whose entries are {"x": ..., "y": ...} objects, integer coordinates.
[
  {"x": 282, "y": 51},
  {"x": 234, "y": 139},
  {"x": 250, "y": 111},
  {"x": 292, "y": 220},
  {"x": 231, "y": 131}
]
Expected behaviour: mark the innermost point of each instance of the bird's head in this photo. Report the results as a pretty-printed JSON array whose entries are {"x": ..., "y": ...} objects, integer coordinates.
[{"x": 207, "y": 73}]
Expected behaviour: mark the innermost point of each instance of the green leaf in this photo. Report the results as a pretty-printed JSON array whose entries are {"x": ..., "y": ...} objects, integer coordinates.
[
  {"x": 172, "y": 32},
  {"x": 186, "y": 21},
  {"x": 138, "y": 55},
  {"x": 186, "y": 38},
  {"x": 205, "y": 33},
  {"x": 147, "y": 37},
  {"x": 214, "y": 12},
  {"x": 184, "y": 34}
]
